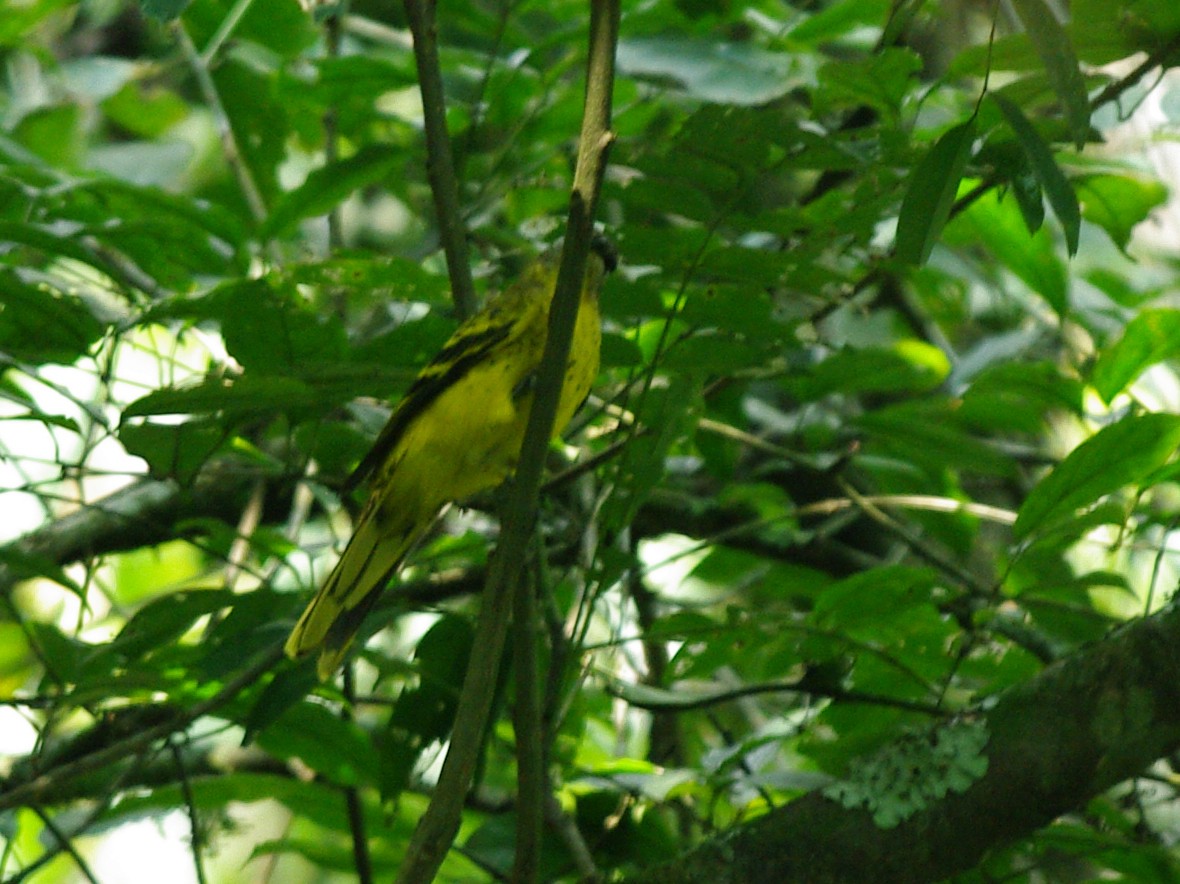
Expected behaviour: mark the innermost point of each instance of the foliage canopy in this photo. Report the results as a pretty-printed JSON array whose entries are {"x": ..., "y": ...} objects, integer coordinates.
[{"x": 881, "y": 457}]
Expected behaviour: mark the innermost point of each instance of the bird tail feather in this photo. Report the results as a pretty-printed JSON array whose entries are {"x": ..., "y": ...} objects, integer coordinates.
[{"x": 333, "y": 617}]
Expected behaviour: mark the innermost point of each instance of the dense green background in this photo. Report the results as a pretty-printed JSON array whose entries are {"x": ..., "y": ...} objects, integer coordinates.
[{"x": 885, "y": 426}]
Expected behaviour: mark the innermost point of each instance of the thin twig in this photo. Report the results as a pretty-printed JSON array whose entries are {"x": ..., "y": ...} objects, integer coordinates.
[
  {"x": 570, "y": 835},
  {"x": 66, "y": 843},
  {"x": 229, "y": 144},
  {"x": 196, "y": 839},
  {"x": 531, "y": 782},
  {"x": 361, "y": 860},
  {"x": 22, "y": 793}
]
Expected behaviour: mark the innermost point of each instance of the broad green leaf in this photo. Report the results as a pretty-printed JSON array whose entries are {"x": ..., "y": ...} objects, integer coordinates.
[
  {"x": 839, "y": 20},
  {"x": 247, "y": 396},
  {"x": 1103, "y": 32},
  {"x": 362, "y": 77},
  {"x": 1151, "y": 337},
  {"x": 880, "y": 82},
  {"x": 1061, "y": 195},
  {"x": 22, "y": 565},
  {"x": 54, "y": 244},
  {"x": 54, "y": 132},
  {"x": 288, "y": 687},
  {"x": 908, "y": 365},
  {"x": 1116, "y": 203},
  {"x": 929, "y": 435},
  {"x": 711, "y": 70},
  {"x": 423, "y": 714},
  {"x": 1021, "y": 396},
  {"x": 1029, "y": 196},
  {"x": 162, "y": 621},
  {"x": 327, "y": 187},
  {"x": 147, "y": 113},
  {"x": 667, "y": 415},
  {"x": 1053, "y": 46},
  {"x": 336, "y": 749},
  {"x": 1119, "y": 455},
  {"x": 164, "y": 10},
  {"x": 998, "y": 225},
  {"x": 714, "y": 354},
  {"x": 39, "y": 324},
  {"x": 271, "y": 329},
  {"x": 175, "y": 451},
  {"x": 931, "y": 193}
]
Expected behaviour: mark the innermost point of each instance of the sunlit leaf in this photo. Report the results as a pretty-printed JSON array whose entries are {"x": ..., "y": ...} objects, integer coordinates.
[{"x": 1119, "y": 455}]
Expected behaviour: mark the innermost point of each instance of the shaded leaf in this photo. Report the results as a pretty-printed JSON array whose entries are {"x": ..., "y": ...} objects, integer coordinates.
[
  {"x": 1053, "y": 46},
  {"x": 175, "y": 451},
  {"x": 931, "y": 193},
  {"x": 326, "y": 187},
  {"x": 336, "y": 749},
  {"x": 1061, "y": 195},
  {"x": 39, "y": 324}
]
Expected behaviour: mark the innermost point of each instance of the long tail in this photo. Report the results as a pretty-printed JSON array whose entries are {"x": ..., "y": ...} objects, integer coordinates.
[{"x": 379, "y": 543}]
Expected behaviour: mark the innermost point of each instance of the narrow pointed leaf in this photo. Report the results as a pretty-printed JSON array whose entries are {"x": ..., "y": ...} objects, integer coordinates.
[{"x": 931, "y": 193}]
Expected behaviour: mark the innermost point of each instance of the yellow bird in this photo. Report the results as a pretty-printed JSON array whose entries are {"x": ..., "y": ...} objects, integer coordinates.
[{"x": 457, "y": 432}]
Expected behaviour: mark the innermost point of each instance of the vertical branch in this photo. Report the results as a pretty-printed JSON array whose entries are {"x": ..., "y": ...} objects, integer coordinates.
[
  {"x": 438, "y": 825},
  {"x": 440, "y": 167}
]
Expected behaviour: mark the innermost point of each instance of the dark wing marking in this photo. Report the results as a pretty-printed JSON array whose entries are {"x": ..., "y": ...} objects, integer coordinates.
[{"x": 452, "y": 362}]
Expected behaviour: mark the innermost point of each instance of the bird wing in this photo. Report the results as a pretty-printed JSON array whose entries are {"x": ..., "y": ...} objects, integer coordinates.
[{"x": 466, "y": 348}]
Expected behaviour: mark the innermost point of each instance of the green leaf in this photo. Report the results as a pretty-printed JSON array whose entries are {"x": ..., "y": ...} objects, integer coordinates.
[
  {"x": 837, "y": 21},
  {"x": 880, "y": 81},
  {"x": 288, "y": 687},
  {"x": 908, "y": 365},
  {"x": 163, "y": 10},
  {"x": 269, "y": 328},
  {"x": 998, "y": 225},
  {"x": 1116, "y": 203},
  {"x": 929, "y": 435},
  {"x": 931, "y": 193},
  {"x": 424, "y": 714},
  {"x": 711, "y": 70},
  {"x": 22, "y": 565},
  {"x": 1057, "y": 55},
  {"x": 39, "y": 324},
  {"x": 1061, "y": 195},
  {"x": 173, "y": 450},
  {"x": 51, "y": 241},
  {"x": 327, "y": 187},
  {"x": 1119, "y": 455},
  {"x": 1151, "y": 337},
  {"x": 1029, "y": 196},
  {"x": 162, "y": 621},
  {"x": 1022, "y": 396},
  {"x": 247, "y": 396},
  {"x": 337, "y": 749}
]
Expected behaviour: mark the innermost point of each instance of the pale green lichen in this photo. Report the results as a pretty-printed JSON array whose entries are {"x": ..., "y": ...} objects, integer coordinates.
[{"x": 914, "y": 772}]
